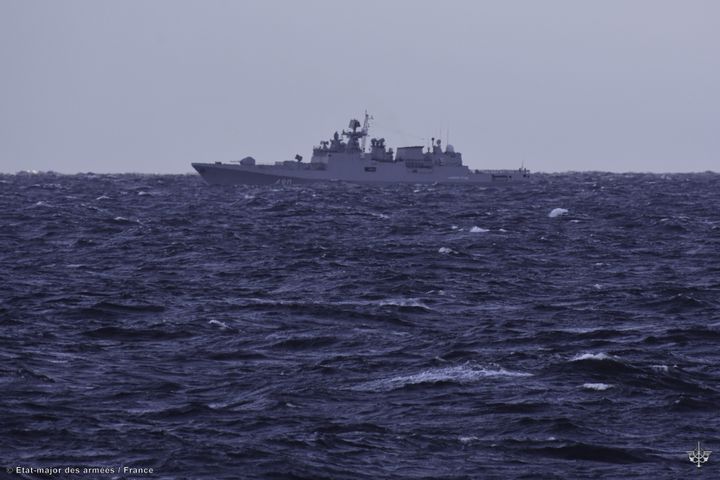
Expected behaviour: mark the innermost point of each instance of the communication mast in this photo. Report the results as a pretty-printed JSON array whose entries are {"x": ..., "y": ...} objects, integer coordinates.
[{"x": 365, "y": 128}]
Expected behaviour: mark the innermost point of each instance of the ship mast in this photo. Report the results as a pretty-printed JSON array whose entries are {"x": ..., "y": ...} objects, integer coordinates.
[{"x": 365, "y": 127}]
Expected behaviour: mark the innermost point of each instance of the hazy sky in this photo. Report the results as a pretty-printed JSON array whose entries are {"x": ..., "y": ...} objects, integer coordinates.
[{"x": 150, "y": 86}]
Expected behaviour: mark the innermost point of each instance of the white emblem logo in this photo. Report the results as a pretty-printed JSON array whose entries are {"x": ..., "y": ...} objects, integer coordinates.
[{"x": 699, "y": 456}]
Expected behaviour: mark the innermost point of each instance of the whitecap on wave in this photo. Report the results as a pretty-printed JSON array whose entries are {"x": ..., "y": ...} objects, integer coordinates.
[
  {"x": 468, "y": 438},
  {"x": 477, "y": 229},
  {"x": 557, "y": 212},
  {"x": 592, "y": 356},
  {"x": 403, "y": 302},
  {"x": 395, "y": 302},
  {"x": 458, "y": 374},
  {"x": 598, "y": 387},
  {"x": 222, "y": 325},
  {"x": 446, "y": 250}
]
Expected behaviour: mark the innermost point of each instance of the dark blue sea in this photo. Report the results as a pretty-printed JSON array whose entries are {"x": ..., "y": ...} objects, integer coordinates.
[{"x": 564, "y": 329}]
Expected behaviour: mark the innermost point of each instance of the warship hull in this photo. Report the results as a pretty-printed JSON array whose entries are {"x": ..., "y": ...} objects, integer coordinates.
[{"x": 233, "y": 174}]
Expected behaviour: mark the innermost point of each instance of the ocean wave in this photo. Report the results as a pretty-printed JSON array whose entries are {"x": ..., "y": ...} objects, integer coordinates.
[
  {"x": 558, "y": 212},
  {"x": 590, "y": 452},
  {"x": 458, "y": 374},
  {"x": 403, "y": 302},
  {"x": 218, "y": 323},
  {"x": 592, "y": 356},
  {"x": 600, "y": 387}
]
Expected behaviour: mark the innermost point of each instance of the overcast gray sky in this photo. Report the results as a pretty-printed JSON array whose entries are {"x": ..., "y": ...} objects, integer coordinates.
[{"x": 150, "y": 86}]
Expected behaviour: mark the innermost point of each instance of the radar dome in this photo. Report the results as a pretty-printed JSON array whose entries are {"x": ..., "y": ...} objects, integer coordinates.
[{"x": 449, "y": 148}]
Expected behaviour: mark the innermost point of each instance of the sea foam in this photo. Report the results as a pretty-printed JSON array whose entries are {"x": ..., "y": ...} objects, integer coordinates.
[
  {"x": 458, "y": 374},
  {"x": 592, "y": 356},
  {"x": 599, "y": 387}
]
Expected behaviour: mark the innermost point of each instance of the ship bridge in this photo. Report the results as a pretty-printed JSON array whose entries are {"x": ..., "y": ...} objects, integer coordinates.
[{"x": 354, "y": 147}]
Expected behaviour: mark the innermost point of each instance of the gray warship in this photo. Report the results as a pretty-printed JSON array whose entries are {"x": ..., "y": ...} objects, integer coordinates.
[{"x": 349, "y": 161}]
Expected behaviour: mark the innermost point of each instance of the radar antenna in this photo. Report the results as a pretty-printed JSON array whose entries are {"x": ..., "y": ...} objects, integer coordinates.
[{"x": 365, "y": 128}]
